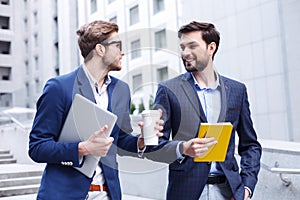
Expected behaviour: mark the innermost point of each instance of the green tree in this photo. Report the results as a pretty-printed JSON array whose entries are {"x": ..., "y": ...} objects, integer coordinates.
[
  {"x": 141, "y": 106},
  {"x": 151, "y": 103},
  {"x": 132, "y": 108}
]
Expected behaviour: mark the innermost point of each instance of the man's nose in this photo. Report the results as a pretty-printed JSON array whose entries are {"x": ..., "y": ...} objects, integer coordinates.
[{"x": 185, "y": 52}]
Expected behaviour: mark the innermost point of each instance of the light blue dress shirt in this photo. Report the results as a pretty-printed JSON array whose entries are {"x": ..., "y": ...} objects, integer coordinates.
[{"x": 210, "y": 99}]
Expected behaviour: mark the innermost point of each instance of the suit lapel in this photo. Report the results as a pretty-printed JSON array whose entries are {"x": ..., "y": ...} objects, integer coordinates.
[
  {"x": 224, "y": 90},
  {"x": 110, "y": 90},
  {"x": 189, "y": 90},
  {"x": 82, "y": 85}
]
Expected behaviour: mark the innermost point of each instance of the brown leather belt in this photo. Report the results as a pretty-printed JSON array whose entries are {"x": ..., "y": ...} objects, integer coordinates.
[
  {"x": 99, "y": 188},
  {"x": 215, "y": 179}
]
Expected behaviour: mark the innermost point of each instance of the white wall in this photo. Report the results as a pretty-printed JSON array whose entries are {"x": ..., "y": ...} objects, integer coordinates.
[
  {"x": 16, "y": 140},
  {"x": 259, "y": 47}
]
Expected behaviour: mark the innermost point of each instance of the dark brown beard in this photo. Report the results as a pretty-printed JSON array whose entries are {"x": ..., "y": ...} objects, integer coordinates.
[
  {"x": 190, "y": 69},
  {"x": 194, "y": 69}
]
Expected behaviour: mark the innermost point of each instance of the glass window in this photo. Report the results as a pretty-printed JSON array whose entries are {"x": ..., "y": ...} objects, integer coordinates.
[
  {"x": 37, "y": 85},
  {"x": 137, "y": 81},
  {"x": 56, "y": 56},
  {"x": 27, "y": 89},
  {"x": 5, "y": 99},
  {"x": 5, "y": 73},
  {"x": 25, "y": 24},
  {"x": 36, "y": 42},
  {"x": 36, "y": 62},
  {"x": 4, "y": 2},
  {"x": 5, "y": 47},
  {"x": 160, "y": 40},
  {"x": 4, "y": 22},
  {"x": 134, "y": 15},
  {"x": 93, "y": 6},
  {"x": 162, "y": 74},
  {"x": 135, "y": 49},
  {"x": 26, "y": 45},
  {"x": 35, "y": 17},
  {"x": 113, "y": 19},
  {"x": 110, "y": 1},
  {"x": 158, "y": 5},
  {"x": 26, "y": 67}
]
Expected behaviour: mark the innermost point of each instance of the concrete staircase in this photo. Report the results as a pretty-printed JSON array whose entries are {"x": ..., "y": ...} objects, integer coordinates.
[
  {"x": 6, "y": 157},
  {"x": 18, "y": 179}
]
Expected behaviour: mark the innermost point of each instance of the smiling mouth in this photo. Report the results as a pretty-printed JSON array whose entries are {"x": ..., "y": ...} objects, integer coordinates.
[{"x": 188, "y": 62}]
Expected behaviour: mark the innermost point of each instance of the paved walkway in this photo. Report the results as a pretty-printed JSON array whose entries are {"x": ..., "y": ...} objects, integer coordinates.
[
  {"x": 15, "y": 168},
  {"x": 33, "y": 197}
]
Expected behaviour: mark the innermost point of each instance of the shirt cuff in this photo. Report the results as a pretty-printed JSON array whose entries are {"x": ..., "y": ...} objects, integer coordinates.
[
  {"x": 250, "y": 192},
  {"x": 180, "y": 158},
  {"x": 141, "y": 152},
  {"x": 81, "y": 160}
]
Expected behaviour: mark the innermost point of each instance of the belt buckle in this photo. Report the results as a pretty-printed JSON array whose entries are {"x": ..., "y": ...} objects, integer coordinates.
[
  {"x": 98, "y": 188},
  {"x": 216, "y": 179},
  {"x": 101, "y": 188}
]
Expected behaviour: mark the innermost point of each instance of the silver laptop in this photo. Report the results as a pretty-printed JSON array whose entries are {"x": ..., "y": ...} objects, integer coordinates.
[{"x": 84, "y": 118}]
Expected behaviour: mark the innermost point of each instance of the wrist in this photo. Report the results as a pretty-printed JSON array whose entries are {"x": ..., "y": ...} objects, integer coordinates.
[
  {"x": 181, "y": 148},
  {"x": 247, "y": 193},
  {"x": 141, "y": 144},
  {"x": 82, "y": 151}
]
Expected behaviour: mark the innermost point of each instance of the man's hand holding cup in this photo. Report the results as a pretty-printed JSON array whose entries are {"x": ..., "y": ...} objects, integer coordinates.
[{"x": 151, "y": 128}]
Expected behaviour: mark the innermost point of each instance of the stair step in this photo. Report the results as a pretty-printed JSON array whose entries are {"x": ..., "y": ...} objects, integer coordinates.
[
  {"x": 8, "y": 161},
  {"x": 23, "y": 174},
  {"x": 19, "y": 190},
  {"x": 20, "y": 197},
  {"x": 4, "y": 151},
  {"x": 20, "y": 181},
  {"x": 4, "y": 156}
]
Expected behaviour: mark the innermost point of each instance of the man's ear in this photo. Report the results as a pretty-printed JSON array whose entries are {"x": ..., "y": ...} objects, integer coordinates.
[
  {"x": 100, "y": 49},
  {"x": 212, "y": 48}
]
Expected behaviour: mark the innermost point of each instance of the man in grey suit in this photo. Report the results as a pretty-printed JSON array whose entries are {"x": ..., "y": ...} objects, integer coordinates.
[{"x": 203, "y": 95}]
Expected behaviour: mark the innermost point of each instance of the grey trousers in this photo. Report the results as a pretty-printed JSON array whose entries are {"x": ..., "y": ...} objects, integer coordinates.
[{"x": 216, "y": 192}]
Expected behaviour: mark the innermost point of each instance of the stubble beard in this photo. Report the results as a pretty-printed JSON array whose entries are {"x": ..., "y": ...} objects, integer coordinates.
[
  {"x": 113, "y": 65},
  {"x": 199, "y": 67}
]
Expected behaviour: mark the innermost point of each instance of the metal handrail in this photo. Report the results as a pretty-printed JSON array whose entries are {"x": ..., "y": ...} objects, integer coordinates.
[
  {"x": 276, "y": 169},
  {"x": 280, "y": 170}
]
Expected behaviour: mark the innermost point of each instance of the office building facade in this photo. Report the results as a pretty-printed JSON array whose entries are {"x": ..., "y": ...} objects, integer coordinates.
[
  {"x": 258, "y": 47},
  {"x": 36, "y": 43}
]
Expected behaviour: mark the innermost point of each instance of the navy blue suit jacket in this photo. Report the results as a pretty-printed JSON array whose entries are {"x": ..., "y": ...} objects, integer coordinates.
[
  {"x": 65, "y": 182},
  {"x": 183, "y": 113}
]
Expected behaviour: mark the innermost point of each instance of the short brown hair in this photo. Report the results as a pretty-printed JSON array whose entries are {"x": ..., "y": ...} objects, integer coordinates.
[
  {"x": 92, "y": 34},
  {"x": 208, "y": 30}
]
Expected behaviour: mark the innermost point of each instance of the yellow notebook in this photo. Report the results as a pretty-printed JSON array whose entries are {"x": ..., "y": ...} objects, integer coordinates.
[{"x": 221, "y": 132}]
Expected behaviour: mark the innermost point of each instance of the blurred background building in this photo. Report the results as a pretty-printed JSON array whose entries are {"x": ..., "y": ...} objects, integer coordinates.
[
  {"x": 259, "y": 47},
  {"x": 34, "y": 45}
]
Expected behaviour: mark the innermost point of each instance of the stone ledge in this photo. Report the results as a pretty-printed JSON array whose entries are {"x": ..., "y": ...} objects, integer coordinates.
[{"x": 280, "y": 146}]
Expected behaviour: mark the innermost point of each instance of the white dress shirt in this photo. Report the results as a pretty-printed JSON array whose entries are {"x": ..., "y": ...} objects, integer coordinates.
[{"x": 101, "y": 97}]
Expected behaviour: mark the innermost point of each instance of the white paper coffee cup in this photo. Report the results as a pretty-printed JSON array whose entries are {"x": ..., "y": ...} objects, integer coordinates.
[{"x": 150, "y": 117}]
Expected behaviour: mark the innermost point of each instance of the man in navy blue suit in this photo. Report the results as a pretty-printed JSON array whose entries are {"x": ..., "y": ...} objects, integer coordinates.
[
  {"x": 203, "y": 95},
  {"x": 101, "y": 49}
]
